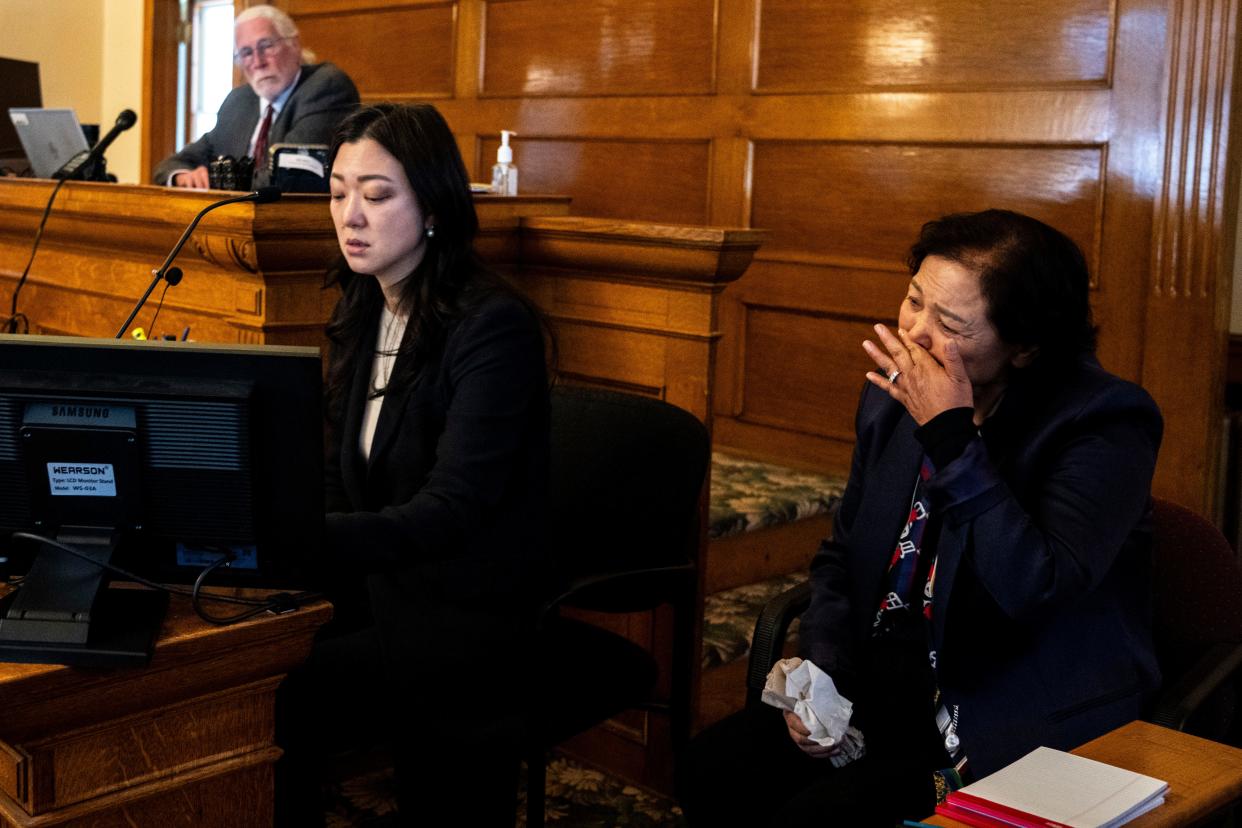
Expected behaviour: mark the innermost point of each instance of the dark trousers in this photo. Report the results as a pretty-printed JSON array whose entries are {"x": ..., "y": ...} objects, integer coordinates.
[
  {"x": 451, "y": 718},
  {"x": 320, "y": 711},
  {"x": 745, "y": 770}
]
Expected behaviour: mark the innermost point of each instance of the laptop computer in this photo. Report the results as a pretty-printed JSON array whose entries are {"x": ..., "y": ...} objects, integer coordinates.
[{"x": 50, "y": 137}]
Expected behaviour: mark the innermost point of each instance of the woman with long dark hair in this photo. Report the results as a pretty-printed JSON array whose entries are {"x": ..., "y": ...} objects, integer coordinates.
[{"x": 436, "y": 475}]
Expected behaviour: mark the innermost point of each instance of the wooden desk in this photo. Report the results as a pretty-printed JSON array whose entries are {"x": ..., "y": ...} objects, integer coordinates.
[
  {"x": 187, "y": 740},
  {"x": 1204, "y": 777}
]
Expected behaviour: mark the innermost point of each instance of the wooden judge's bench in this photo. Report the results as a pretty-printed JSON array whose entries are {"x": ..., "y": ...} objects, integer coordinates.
[
  {"x": 253, "y": 273},
  {"x": 634, "y": 306},
  {"x": 633, "y": 303}
]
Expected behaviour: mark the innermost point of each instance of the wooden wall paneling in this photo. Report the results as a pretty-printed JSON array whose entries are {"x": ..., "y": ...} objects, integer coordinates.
[
  {"x": 730, "y": 380},
  {"x": 603, "y": 341},
  {"x": 633, "y": 304},
  {"x": 1005, "y": 100},
  {"x": 816, "y": 197},
  {"x": 817, "y": 286},
  {"x": 826, "y": 47},
  {"x": 1186, "y": 322},
  {"x": 599, "y": 47},
  {"x": 653, "y": 118},
  {"x": 630, "y": 361},
  {"x": 729, "y": 181},
  {"x": 813, "y": 359},
  {"x": 940, "y": 139},
  {"x": 393, "y": 51},
  {"x": 795, "y": 362},
  {"x": 661, "y": 181},
  {"x": 683, "y": 123},
  {"x": 732, "y": 180},
  {"x": 468, "y": 76},
  {"x": 786, "y": 346},
  {"x": 735, "y": 46},
  {"x": 159, "y": 82},
  {"x": 1132, "y": 170},
  {"x": 986, "y": 117}
]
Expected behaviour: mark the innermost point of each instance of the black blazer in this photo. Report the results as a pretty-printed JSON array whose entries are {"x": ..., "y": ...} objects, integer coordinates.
[
  {"x": 323, "y": 97},
  {"x": 448, "y": 512},
  {"x": 1041, "y": 616}
]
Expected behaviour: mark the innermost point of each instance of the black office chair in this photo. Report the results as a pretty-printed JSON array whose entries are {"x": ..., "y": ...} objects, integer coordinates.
[
  {"x": 625, "y": 527},
  {"x": 1197, "y": 624},
  {"x": 768, "y": 642}
]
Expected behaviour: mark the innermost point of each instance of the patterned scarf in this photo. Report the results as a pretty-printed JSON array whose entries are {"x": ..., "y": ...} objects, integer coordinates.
[
  {"x": 895, "y": 606},
  {"x": 903, "y": 566}
]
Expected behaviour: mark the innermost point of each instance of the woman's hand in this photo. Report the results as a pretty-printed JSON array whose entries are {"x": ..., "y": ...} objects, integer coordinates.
[
  {"x": 921, "y": 383},
  {"x": 802, "y": 738}
]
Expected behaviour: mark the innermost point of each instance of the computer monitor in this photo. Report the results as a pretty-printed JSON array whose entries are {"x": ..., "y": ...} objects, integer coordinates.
[
  {"x": 19, "y": 87},
  {"x": 160, "y": 457}
]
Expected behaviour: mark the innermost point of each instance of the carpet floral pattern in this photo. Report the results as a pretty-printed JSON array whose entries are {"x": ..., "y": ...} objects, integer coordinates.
[
  {"x": 577, "y": 797},
  {"x": 729, "y": 618},
  {"x": 747, "y": 495},
  {"x": 582, "y": 797}
]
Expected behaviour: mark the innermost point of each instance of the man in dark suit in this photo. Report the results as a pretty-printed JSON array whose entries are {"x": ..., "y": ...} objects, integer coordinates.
[{"x": 287, "y": 99}]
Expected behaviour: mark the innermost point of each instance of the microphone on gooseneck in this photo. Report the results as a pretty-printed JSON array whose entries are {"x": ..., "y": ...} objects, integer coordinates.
[
  {"x": 172, "y": 275},
  {"x": 82, "y": 165}
]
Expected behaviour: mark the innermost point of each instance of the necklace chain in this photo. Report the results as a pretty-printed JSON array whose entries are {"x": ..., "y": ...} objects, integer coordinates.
[{"x": 389, "y": 343}]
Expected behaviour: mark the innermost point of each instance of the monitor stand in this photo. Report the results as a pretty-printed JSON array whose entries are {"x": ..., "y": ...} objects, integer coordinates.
[{"x": 64, "y": 614}]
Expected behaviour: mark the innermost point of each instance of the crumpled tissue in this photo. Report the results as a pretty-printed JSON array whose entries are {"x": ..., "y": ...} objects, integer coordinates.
[{"x": 800, "y": 686}]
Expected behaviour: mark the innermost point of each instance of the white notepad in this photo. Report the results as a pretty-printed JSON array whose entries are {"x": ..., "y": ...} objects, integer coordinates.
[{"x": 1052, "y": 788}]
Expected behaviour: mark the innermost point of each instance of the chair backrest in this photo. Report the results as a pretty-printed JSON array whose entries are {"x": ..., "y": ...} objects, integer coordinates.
[
  {"x": 1197, "y": 624},
  {"x": 1198, "y": 583},
  {"x": 626, "y": 477}
]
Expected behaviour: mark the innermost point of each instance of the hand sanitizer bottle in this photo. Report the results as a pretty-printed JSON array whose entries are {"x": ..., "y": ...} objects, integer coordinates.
[{"x": 505, "y": 172}]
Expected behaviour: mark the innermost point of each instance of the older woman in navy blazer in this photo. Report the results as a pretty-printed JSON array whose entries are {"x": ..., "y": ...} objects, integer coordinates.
[{"x": 986, "y": 589}]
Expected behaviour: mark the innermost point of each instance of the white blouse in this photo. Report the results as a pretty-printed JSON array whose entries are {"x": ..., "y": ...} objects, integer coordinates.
[{"x": 387, "y": 341}]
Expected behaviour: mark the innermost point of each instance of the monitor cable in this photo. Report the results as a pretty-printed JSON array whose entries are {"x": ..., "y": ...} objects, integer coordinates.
[{"x": 279, "y": 602}]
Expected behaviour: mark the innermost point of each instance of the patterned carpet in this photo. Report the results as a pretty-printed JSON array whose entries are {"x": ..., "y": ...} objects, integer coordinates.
[{"x": 577, "y": 797}]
